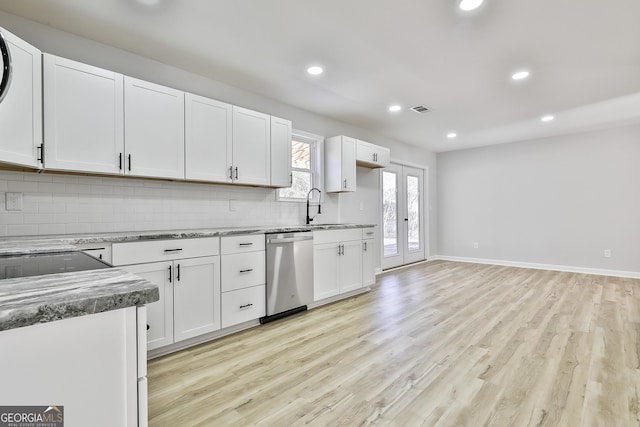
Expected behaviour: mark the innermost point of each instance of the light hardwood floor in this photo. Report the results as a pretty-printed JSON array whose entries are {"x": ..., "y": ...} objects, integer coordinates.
[{"x": 436, "y": 344}]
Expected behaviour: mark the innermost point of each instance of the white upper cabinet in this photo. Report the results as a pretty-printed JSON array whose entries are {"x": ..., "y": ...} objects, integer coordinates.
[
  {"x": 153, "y": 130},
  {"x": 21, "y": 109},
  {"x": 83, "y": 108},
  {"x": 208, "y": 139},
  {"x": 251, "y": 147},
  {"x": 340, "y": 164},
  {"x": 280, "y": 152},
  {"x": 372, "y": 156}
]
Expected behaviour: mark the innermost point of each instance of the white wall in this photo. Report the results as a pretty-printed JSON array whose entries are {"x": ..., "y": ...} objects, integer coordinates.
[
  {"x": 205, "y": 205},
  {"x": 559, "y": 201}
]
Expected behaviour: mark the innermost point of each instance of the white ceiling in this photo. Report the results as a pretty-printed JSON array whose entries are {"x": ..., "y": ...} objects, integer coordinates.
[{"x": 584, "y": 57}]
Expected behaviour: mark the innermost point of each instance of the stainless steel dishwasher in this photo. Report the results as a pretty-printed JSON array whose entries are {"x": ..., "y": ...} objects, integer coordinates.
[{"x": 289, "y": 274}]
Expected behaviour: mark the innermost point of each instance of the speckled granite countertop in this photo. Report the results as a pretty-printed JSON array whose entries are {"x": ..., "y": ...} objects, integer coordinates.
[
  {"x": 12, "y": 245},
  {"x": 39, "y": 299}
]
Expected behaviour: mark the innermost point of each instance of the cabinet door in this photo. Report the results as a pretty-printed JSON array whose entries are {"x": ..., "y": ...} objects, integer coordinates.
[
  {"x": 325, "y": 271},
  {"x": 340, "y": 164},
  {"x": 153, "y": 130},
  {"x": 348, "y": 164},
  {"x": 251, "y": 147},
  {"x": 21, "y": 109},
  {"x": 351, "y": 266},
  {"x": 83, "y": 108},
  {"x": 208, "y": 139},
  {"x": 159, "y": 313},
  {"x": 368, "y": 263},
  {"x": 280, "y": 153},
  {"x": 196, "y": 297}
]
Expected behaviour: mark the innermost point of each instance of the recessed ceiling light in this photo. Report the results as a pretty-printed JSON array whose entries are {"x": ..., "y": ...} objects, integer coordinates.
[
  {"x": 520, "y": 75},
  {"x": 547, "y": 118},
  {"x": 395, "y": 108},
  {"x": 470, "y": 4},
  {"x": 315, "y": 70},
  {"x": 451, "y": 135}
]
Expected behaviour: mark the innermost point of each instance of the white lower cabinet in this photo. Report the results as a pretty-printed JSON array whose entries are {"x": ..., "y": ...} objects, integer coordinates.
[
  {"x": 243, "y": 279},
  {"x": 337, "y": 262},
  {"x": 88, "y": 364},
  {"x": 189, "y": 303},
  {"x": 242, "y": 305},
  {"x": 368, "y": 257}
]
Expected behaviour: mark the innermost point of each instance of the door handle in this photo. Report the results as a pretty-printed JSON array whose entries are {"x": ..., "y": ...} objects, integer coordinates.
[
  {"x": 129, "y": 162},
  {"x": 345, "y": 183},
  {"x": 178, "y": 272},
  {"x": 231, "y": 172},
  {"x": 248, "y": 270},
  {"x": 170, "y": 274},
  {"x": 246, "y": 305},
  {"x": 120, "y": 161},
  {"x": 236, "y": 172},
  {"x": 6, "y": 72}
]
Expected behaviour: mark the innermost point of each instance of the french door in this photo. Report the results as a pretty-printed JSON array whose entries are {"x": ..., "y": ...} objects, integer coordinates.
[{"x": 402, "y": 215}]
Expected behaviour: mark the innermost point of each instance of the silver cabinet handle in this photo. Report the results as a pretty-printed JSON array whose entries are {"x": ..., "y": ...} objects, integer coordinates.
[
  {"x": 246, "y": 244},
  {"x": 173, "y": 250},
  {"x": 246, "y": 305},
  {"x": 365, "y": 246},
  {"x": 231, "y": 172},
  {"x": 6, "y": 67},
  {"x": 345, "y": 183},
  {"x": 248, "y": 270},
  {"x": 236, "y": 172}
]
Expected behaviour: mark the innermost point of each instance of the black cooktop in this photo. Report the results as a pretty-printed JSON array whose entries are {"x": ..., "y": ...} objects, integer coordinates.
[{"x": 50, "y": 263}]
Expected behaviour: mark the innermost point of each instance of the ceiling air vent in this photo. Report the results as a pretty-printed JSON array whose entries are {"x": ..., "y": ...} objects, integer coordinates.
[{"x": 420, "y": 109}]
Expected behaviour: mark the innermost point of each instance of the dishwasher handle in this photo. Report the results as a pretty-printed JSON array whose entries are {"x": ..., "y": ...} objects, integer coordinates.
[{"x": 288, "y": 240}]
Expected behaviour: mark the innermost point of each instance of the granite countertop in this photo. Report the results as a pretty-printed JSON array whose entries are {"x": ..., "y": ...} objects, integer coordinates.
[
  {"x": 17, "y": 245},
  {"x": 39, "y": 299}
]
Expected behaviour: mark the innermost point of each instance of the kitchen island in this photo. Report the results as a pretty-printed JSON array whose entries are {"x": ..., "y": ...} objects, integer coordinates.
[{"x": 75, "y": 340}]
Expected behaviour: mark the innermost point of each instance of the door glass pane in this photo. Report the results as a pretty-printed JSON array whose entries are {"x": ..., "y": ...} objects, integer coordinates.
[
  {"x": 413, "y": 213},
  {"x": 390, "y": 213}
]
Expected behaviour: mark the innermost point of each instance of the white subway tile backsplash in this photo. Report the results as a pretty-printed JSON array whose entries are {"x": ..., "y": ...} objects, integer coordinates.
[
  {"x": 52, "y": 229},
  {"x": 22, "y": 230},
  {"x": 22, "y": 186},
  {"x": 58, "y": 204}
]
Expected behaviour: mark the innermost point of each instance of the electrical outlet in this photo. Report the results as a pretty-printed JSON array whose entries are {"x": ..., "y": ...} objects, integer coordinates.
[
  {"x": 13, "y": 201},
  {"x": 476, "y": 245},
  {"x": 607, "y": 253},
  {"x": 232, "y": 205}
]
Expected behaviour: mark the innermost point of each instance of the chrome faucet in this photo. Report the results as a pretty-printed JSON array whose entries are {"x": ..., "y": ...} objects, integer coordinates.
[{"x": 309, "y": 219}]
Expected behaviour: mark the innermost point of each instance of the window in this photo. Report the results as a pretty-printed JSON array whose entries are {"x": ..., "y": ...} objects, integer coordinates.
[{"x": 303, "y": 167}]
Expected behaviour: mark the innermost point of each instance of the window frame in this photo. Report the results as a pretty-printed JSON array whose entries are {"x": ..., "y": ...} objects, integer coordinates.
[{"x": 315, "y": 146}]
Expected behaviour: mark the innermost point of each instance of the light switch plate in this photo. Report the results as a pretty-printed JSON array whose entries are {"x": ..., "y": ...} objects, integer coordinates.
[{"x": 13, "y": 201}]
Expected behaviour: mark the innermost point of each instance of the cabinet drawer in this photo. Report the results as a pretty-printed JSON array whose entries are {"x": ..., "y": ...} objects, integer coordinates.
[
  {"x": 243, "y": 305},
  {"x": 239, "y": 244},
  {"x": 163, "y": 250},
  {"x": 330, "y": 236},
  {"x": 368, "y": 233},
  {"x": 243, "y": 270}
]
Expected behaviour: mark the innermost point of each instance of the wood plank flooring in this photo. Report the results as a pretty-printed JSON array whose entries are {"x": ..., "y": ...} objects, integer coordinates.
[{"x": 435, "y": 344}]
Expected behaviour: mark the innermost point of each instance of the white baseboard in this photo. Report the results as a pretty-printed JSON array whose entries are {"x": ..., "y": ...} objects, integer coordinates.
[{"x": 552, "y": 267}]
